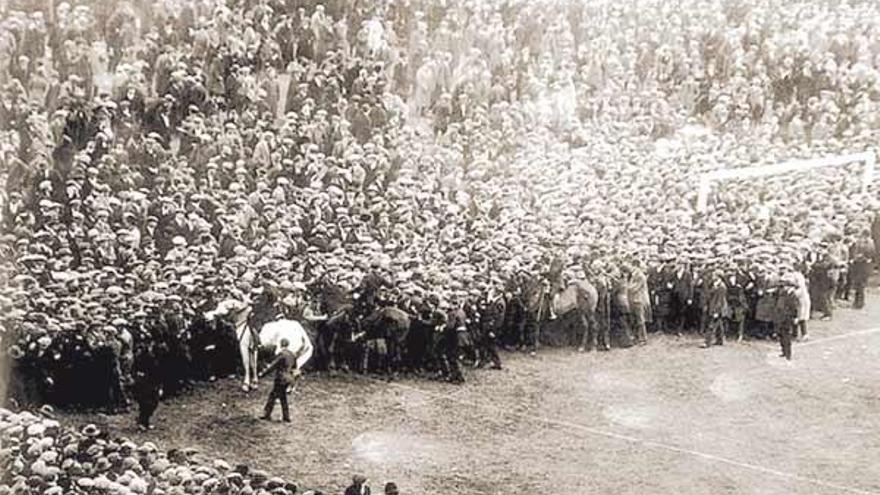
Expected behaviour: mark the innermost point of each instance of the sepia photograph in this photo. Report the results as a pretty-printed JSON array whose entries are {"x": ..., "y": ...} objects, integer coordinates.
[{"x": 425, "y": 247}]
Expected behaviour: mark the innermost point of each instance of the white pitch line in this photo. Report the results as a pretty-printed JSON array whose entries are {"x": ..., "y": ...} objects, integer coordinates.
[
  {"x": 840, "y": 337},
  {"x": 857, "y": 333},
  {"x": 640, "y": 441}
]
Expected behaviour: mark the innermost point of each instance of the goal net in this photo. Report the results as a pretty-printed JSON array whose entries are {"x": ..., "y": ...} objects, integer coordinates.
[{"x": 866, "y": 160}]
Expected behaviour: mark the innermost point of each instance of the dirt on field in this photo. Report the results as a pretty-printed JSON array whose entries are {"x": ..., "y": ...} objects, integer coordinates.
[{"x": 665, "y": 418}]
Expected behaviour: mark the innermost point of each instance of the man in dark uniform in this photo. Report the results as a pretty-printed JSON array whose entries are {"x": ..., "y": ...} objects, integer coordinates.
[
  {"x": 716, "y": 307},
  {"x": 750, "y": 274},
  {"x": 662, "y": 283},
  {"x": 699, "y": 310},
  {"x": 533, "y": 299},
  {"x": 786, "y": 315},
  {"x": 875, "y": 236},
  {"x": 600, "y": 332},
  {"x": 366, "y": 292},
  {"x": 621, "y": 310},
  {"x": 111, "y": 350},
  {"x": 860, "y": 270},
  {"x": 284, "y": 367},
  {"x": 470, "y": 338},
  {"x": 177, "y": 361},
  {"x": 147, "y": 387},
  {"x": 737, "y": 303},
  {"x": 491, "y": 319},
  {"x": 452, "y": 327},
  {"x": 822, "y": 279},
  {"x": 358, "y": 486},
  {"x": 514, "y": 317},
  {"x": 682, "y": 296}
]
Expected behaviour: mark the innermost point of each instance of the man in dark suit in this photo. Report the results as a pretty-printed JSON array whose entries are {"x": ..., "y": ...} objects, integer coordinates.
[
  {"x": 358, "y": 486},
  {"x": 860, "y": 268},
  {"x": 367, "y": 291},
  {"x": 159, "y": 119},
  {"x": 454, "y": 329},
  {"x": 716, "y": 309},
  {"x": 785, "y": 315},
  {"x": 823, "y": 276},
  {"x": 600, "y": 333},
  {"x": 662, "y": 283},
  {"x": 285, "y": 370},
  {"x": 683, "y": 296},
  {"x": 737, "y": 300},
  {"x": 147, "y": 387},
  {"x": 533, "y": 299},
  {"x": 494, "y": 308}
]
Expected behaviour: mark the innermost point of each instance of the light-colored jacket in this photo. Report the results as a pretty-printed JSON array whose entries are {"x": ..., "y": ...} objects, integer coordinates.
[{"x": 803, "y": 295}]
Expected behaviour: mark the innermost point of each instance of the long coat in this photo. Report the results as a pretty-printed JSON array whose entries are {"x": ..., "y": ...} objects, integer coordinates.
[
  {"x": 785, "y": 308},
  {"x": 737, "y": 302},
  {"x": 766, "y": 302},
  {"x": 620, "y": 296},
  {"x": 860, "y": 270},
  {"x": 803, "y": 296},
  {"x": 823, "y": 276},
  {"x": 639, "y": 295},
  {"x": 492, "y": 317},
  {"x": 663, "y": 285},
  {"x": 716, "y": 300}
]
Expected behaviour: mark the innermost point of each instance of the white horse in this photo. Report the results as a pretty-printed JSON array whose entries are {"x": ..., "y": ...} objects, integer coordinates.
[{"x": 269, "y": 337}]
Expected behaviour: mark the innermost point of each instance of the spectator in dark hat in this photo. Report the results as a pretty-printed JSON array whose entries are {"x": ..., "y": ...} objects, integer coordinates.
[
  {"x": 285, "y": 372},
  {"x": 786, "y": 314},
  {"x": 358, "y": 486},
  {"x": 860, "y": 269},
  {"x": 147, "y": 387}
]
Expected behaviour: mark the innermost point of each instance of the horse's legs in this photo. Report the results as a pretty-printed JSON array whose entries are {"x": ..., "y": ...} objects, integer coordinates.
[
  {"x": 585, "y": 337},
  {"x": 385, "y": 359},
  {"x": 254, "y": 367},
  {"x": 245, "y": 361},
  {"x": 330, "y": 356},
  {"x": 591, "y": 332},
  {"x": 365, "y": 359},
  {"x": 392, "y": 359}
]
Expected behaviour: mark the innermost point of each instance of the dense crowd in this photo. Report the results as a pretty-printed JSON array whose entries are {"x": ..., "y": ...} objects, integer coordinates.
[
  {"x": 161, "y": 157},
  {"x": 40, "y": 455}
]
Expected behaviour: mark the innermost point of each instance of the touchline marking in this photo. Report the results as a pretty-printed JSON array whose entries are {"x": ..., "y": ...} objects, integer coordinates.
[
  {"x": 857, "y": 333},
  {"x": 636, "y": 440},
  {"x": 840, "y": 337}
]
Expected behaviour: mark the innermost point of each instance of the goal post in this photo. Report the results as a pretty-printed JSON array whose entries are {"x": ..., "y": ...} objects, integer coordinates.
[{"x": 708, "y": 179}]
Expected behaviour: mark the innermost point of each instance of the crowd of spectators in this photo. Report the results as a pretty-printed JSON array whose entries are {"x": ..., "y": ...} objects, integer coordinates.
[
  {"x": 161, "y": 156},
  {"x": 41, "y": 455}
]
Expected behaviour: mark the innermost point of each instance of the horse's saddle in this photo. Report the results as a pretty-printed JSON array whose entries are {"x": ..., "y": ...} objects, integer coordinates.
[{"x": 566, "y": 301}]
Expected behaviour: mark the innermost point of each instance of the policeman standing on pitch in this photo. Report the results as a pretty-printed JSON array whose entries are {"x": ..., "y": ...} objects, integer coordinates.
[
  {"x": 284, "y": 367},
  {"x": 786, "y": 314}
]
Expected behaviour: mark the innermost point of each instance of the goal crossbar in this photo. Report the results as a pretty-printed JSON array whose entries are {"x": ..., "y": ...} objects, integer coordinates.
[{"x": 709, "y": 178}]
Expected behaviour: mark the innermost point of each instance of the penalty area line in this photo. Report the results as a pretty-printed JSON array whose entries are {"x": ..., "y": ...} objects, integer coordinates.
[{"x": 634, "y": 440}]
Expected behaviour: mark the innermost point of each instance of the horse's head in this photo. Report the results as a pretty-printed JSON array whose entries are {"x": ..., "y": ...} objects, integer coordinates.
[{"x": 230, "y": 308}]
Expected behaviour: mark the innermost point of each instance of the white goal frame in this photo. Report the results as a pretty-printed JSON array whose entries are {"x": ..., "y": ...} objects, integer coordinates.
[{"x": 708, "y": 179}]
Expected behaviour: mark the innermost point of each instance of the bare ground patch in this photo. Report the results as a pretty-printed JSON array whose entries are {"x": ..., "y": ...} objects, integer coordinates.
[{"x": 666, "y": 418}]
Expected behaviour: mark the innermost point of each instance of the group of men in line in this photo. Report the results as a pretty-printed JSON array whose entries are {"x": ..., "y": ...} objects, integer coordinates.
[
  {"x": 169, "y": 344},
  {"x": 717, "y": 296},
  {"x": 740, "y": 295}
]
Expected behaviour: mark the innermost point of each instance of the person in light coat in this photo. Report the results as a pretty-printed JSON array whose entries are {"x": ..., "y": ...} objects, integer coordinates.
[
  {"x": 640, "y": 302},
  {"x": 804, "y": 304}
]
